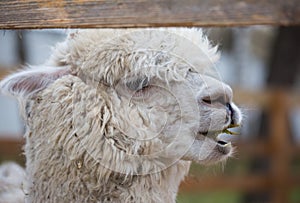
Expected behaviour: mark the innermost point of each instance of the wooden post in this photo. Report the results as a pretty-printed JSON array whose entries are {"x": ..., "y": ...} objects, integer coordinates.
[{"x": 280, "y": 147}]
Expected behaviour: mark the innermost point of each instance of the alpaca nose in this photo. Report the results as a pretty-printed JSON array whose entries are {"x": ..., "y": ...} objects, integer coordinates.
[
  {"x": 217, "y": 96},
  {"x": 234, "y": 114},
  {"x": 230, "y": 114},
  {"x": 221, "y": 99},
  {"x": 221, "y": 102},
  {"x": 214, "y": 92}
]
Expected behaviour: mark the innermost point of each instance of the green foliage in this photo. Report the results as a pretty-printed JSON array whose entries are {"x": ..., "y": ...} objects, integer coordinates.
[{"x": 295, "y": 195}]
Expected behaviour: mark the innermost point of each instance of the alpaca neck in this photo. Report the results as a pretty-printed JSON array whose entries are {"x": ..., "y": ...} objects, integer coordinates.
[
  {"x": 158, "y": 187},
  {"x": 85, "y": 184}
]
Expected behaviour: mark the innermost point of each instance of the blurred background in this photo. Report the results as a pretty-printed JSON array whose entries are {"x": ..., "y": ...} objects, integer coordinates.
[{"x": 262, "y": 65}]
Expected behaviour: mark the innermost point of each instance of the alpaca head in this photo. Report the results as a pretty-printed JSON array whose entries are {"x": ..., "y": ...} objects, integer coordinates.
[{"x": 138, "y": 101}]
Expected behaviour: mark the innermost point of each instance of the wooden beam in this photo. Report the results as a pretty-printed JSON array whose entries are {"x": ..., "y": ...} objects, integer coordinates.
[
  {"x": 234, "y": 183},
  {"x": 3, "y": 73},
  {"x": 244, "y": 183},
  {"x": 263, "y": 98},
  {"x": 194, "y": 184},
  {"x": 11, "y": 147},
  {"x": 29, "y": 14}
]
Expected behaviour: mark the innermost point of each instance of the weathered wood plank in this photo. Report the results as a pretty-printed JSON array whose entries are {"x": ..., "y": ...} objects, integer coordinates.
[
  {"x": 142, "y": 13},
  {"x": 214, "y": 183},
  {"x": 254, "y": 183},
  {"x": 193, "y": 184},
  {"x": 280, "y": 144},
  {"x": 6, "y": 71},
  {"x": 11, "y": 147},
  {"x": 3, "y": 74}
]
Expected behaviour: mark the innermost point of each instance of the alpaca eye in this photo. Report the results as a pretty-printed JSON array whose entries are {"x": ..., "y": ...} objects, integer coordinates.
[
  {"x": 192, "y": 70},
  {"x": 138, "y": 84}
]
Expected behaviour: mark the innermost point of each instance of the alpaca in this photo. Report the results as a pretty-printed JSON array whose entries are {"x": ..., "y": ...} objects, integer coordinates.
[
  {"x": 11, "y": 180},
  {"x": 117, "y": 115}
]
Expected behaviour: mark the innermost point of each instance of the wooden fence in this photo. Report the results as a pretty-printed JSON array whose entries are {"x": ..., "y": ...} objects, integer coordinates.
[{"x": 28, "y": 14}]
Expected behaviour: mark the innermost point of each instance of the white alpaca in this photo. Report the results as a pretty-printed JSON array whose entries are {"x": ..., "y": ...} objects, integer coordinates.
[
  {"x": 118, "y": 115},
  {"x": 11, "y": 181}
]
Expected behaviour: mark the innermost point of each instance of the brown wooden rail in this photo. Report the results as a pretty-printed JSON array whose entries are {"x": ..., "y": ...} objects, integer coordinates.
[
  {"x": 3, "y": 73},
  {"x": 253, "y": 183},
  {"x": 11, "y": 147},
  {"x": 193, "y": 184},
  {"x": 29, "y": 14}
]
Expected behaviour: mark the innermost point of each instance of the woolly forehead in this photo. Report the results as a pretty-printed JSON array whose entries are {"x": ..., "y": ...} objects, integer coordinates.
[{"x": 110, "y": 54}]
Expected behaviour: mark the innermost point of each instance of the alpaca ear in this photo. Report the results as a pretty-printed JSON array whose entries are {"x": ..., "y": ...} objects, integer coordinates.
[{"x": 27, "y": 82}]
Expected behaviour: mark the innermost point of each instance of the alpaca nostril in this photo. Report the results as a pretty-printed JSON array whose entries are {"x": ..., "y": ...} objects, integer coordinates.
[
  {"x": 218, "y": 100},
  {"x": 207, "y": 100},
  {"x": 228, "y": 107},
  {"x": 230, "y": 112}
]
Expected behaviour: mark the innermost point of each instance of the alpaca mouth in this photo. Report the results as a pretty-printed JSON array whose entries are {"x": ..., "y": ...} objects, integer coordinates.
[
  {"x": 223, "y": 146},
  {"x": 215, "y": 133}
]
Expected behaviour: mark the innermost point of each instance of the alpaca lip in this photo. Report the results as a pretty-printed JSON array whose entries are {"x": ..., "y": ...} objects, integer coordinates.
[
  {"x": 224, "y": 147},
  {"x": 210, "y": 134},
  {"x": 214, "y": 134}
]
